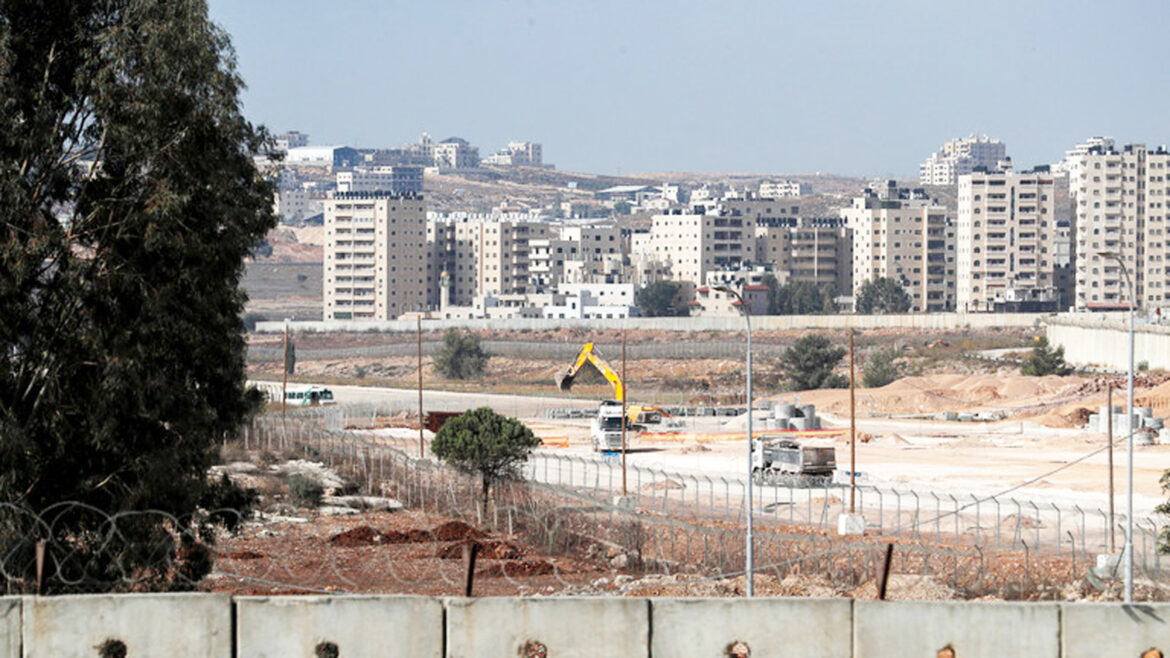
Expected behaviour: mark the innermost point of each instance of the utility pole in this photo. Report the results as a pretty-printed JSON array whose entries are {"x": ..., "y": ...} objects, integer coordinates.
[
  {"x": 420, "y": 400},
  {"x": 284, "y": 381},
  {"x": 625, "y": 385},
  {"x": 852, "y": 431},
  {"x": 1112, "y": 529}
]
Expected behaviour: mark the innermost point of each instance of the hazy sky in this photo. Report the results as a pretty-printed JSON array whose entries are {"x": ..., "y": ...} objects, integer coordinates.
[{"x": 857, "y": 88}]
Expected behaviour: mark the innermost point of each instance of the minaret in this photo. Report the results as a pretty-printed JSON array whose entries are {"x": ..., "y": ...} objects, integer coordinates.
[{"x": 444, "y": 290}]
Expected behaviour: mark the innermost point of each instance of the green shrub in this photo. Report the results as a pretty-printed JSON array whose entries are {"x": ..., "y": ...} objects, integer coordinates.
[{"x": 304, "y": 491}]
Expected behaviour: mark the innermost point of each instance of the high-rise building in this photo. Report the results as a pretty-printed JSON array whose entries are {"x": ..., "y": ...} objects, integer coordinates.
[
  {"x": 816, "y": 250},
  {"x": 480, "y": 257},
  {"x": 1006, "y": 238},
  {"x": 1120, "y": 207},
  {"x": 904, "y": 235},
  {"x": 959, "y": 157},
  {"x": 375, "y": 256},
  {"x": 691, "y": 245}
]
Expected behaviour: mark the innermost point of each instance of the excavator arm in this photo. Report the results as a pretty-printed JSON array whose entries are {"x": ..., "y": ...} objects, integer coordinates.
[{"x": 588, "y": 354}]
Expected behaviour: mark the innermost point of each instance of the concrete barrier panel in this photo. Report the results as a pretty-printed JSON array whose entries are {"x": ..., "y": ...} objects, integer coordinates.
[
  {"x": 359, "y": 626},
  {"x": 10, "y": 627},
  {"x": 567, "y": 628},
  {"x": 1114, "y": 629},
  {"x": 896, "y": 629},
  {"x": 777, "y": 628},
  {"x": 171, "y": 625}
]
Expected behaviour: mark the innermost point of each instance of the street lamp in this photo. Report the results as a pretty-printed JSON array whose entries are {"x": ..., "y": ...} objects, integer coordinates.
[
  {"x": 1128, "y": 550},
  {"x": 747, "y": 318}
]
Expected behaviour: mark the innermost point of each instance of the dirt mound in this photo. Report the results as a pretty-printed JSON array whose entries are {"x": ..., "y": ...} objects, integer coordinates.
[
  {"x": 488, "y": 549},
  {"x": 455, "y": 531},
  {"x": 363, "y": 535}
]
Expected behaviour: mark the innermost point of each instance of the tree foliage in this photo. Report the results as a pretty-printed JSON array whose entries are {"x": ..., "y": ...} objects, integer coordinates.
[
  {"x": 881, "y": 368},
  {"x": 1045, "y": 360},
  {"x": 809, "y": 362},
  {"x": 882, "y": 295},
  {"x": 461, "y": 356},
  {"x": 483, "y": 442},
  {"x": 801, "y": 298},
  {"x": 128, "y": 202},
  {"x": 661, "y": 299}
]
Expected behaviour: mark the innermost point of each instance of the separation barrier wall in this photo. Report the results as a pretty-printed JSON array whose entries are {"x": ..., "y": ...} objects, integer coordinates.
[
  {"x": 926, "y": 321},
  {"x": 218, "y": 626},
  {"x": 1099, "y": 341}
]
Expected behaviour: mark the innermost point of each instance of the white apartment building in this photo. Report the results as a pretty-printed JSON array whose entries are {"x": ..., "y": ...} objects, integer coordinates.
[
  {"x": 455, "y": 153},
  {"x": 480, "y": 257},
  {"x": 290, "y": 140},
  {"x": 518, "y": 154},
  {"x": 1120, "y": 206},
  {"x": 375, "y": 256},
  {"x": 784, "y": 188},
  {"x": 959, "y": 157},
  {"x": 1006, "y": 238},
  {"x": 396, "y": 179},
  {"x": 1074, "y": 158},
  {"x": 904, "y": 235},
  {"x": 690, "y": 245}
]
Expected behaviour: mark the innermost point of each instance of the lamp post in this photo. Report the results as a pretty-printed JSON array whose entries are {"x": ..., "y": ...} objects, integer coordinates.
[
  {"x": 1127, "y": 552},
  {"x": 749, "y": 558}
]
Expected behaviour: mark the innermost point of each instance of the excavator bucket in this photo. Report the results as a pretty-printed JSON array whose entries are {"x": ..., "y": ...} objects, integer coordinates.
[{"x": 564, "y": 380}]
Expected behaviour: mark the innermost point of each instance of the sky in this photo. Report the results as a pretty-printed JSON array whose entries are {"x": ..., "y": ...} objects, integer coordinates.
[{"x": 621, "y": 87}]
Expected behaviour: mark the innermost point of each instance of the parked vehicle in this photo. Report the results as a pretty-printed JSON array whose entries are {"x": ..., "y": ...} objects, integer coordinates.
[{"x": 784, "y": 462}]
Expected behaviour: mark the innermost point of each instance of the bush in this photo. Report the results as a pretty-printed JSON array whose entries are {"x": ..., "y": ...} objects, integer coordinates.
[
  {"x": 882, "y": 295},
  {"x": 881, "y": 368},
  {"x": 662, "y": 299},
  {"x": 304, "y": 491},
  {"x": 461, "y": 356},
  {"x": 1045, "y": 360},
  {"x": 228, "y": 502}
]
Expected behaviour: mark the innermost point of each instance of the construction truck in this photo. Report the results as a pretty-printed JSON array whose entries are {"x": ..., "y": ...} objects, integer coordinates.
[
  {"x": 787, "y": 463},
  {"x": 605, "y": 430}
]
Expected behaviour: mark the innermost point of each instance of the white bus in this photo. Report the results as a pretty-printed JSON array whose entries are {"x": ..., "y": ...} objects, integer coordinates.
[{"x": 307, "y": 396}]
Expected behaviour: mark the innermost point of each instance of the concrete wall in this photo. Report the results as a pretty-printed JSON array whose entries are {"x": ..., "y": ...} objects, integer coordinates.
[
  {"x": 175, "y": 625},
  {"x": 924, "y": 321},
  {"x": 202, "y": 625},
  {"x": 1093, "y": 340}
]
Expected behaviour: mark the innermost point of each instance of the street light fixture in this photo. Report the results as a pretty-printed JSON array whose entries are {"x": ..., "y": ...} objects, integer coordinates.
[
  {"x": 1127, "y": 552},
  {"x": 749, "y": 558}
]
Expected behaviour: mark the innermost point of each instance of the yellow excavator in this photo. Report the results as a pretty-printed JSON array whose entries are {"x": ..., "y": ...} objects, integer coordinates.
[
  {"x": 606, "y": 429},
  {"x": 606, "y": 432}
]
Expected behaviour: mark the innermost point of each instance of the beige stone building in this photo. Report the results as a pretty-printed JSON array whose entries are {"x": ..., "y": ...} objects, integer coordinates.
[
  {"x": 690, "y": 245},
  {"x": 902, "y": 234},
  {"x": 816, "y": 250},
  {"x": 1121, "y": 199},
  {"x": 480, "y": 257},
  {"x": 1006, "y": 239},
  {"x": 960, "y": 157},
  {"x": 375, "y": 256}
]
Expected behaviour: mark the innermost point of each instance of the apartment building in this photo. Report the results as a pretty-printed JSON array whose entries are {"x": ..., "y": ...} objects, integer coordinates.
[
  {"x": 1006, "y": 241},
  {"x": 902, "y": 234},
  {"x": 518, "y": 154},
  {"x": 480, "y": 257},
  {"x": 691, "y": 245},
  {"x": 393, "y": 179},
  {"x": 784, "y": 188},
  {"x": 1120, "y": 206},
  {"x": 375, "y": 256},
  {"x": 816, "y": 250},
  {"x": 455, "y": 153},
  {"x": 959, "y": 157}
]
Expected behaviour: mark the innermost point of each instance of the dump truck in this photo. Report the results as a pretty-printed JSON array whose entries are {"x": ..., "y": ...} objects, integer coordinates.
[
  {"x": 605, "y": 430},
  {"x": 788, "y": 463}
]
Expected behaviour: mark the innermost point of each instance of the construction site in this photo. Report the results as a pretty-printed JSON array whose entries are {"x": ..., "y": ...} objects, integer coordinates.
[{"x": 991, "y": 483}]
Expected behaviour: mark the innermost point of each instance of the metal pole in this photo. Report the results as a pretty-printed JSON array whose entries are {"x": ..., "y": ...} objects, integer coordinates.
[
  {"x": 852, "y": 431},
  {"x": 420, "y": 400},
  {"x": 1129, "y": 451},
  {"x": 625, "y": 384},
  {"x": 1112, "y": 532},
  {"x": 747, "y": 317},
  {"x": 284, "y": 381}
]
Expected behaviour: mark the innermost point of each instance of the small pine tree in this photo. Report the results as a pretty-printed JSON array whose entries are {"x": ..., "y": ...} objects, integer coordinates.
[
  {"x": 881, "y": 368},
  {"x": 882, "y": 295},
  {"x": 462, "y": 356},
  {"x": 809, "y": 364},
  {"x": 486, "y": 443},
  {"x": 1045, "y": 360}
]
